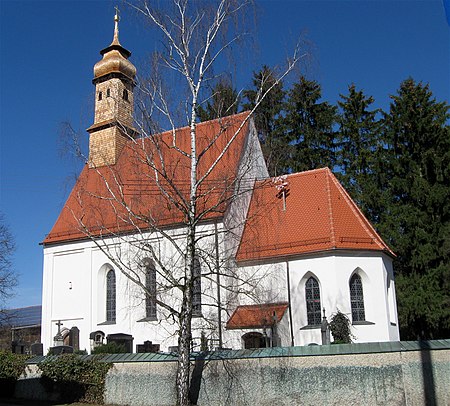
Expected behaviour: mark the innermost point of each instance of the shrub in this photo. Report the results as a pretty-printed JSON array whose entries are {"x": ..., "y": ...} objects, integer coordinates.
[
  {"x": 11, "y": 367},
  {"x": 110, "y": 348},
  {"x": 340, "y": 326},
  {"x": 75, "y": 379}
]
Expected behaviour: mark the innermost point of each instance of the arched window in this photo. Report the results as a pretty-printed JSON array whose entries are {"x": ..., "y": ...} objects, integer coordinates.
[
  {"x": 312, "y": 294},
  {"x": 100, "y": 95},
  {"x": 357, "y": 298},
  {"x": 111, "y": 296},
  {"x": 197, "y": 289},
  {"x": 150, "y": 285},
  {"x": 125, "y": 94},
  {"x": 108, "y": 92}
]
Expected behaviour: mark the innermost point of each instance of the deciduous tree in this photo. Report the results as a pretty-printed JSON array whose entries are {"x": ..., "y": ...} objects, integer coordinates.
[
  {"x": 8, "y": 278},
  {"x": 195, "y": 35}
]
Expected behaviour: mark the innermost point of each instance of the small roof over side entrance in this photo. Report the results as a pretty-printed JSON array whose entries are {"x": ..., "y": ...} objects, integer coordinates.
[{"x": 257, "y": 316}]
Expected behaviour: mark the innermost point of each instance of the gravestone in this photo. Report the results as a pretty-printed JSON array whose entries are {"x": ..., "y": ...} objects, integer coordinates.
[
  {"x": 18, "y": 347},
  {"x": 148, "y": 346},
  {"x": 121, "y": 339},
  {"x": 74, "y": 338},
  {"x": 60, "y": 349},
  {"x": 37, "y": 349},
  {"x": 325, "y": 330}
]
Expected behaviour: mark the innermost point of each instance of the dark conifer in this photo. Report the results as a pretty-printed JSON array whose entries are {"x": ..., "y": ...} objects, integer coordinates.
[
  {"x": 416, "y": 219},
  {"x": 223, "y": 101},
  {"x": 308, "y": 125},
  {"x": 358, "y": 150},
  {"x": 266, "y": 119}
]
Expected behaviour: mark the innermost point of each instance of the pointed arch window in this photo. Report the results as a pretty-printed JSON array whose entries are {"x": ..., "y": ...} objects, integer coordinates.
[
  {"x": 100, "y": 95},
  {"x": 108, "y": 92},
  {"x": 357, "y": 298},
  {"x": 197, "y": 288},
  {"x": 111, "y": 296},
  {"x": 125, "y": 94},
  {"x": 313, "y": 308},
  {"x": 150, "y": 285}
]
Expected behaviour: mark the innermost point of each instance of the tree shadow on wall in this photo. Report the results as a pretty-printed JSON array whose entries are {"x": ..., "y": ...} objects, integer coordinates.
[
  {"x": 427, "y": 373},
  {"x": 196, "y": 378}
]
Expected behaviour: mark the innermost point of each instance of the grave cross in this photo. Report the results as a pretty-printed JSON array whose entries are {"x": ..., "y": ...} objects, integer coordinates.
[
  {"x": 59, "y": 324},
  {"x": 58, "y": 338}
]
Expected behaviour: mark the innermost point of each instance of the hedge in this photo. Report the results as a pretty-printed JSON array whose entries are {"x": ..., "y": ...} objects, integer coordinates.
[{"x": 74, "y": 379}]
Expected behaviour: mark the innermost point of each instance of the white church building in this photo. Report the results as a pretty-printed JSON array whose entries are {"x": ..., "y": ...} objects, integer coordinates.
[{"x": 275, "y": 255}]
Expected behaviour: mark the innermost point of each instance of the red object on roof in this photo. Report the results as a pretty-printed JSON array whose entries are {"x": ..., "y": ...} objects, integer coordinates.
[
  {"x": 257, "y": 316},
  {"x": 101, "y": 198},
  {"x": 309, "y": 212}
]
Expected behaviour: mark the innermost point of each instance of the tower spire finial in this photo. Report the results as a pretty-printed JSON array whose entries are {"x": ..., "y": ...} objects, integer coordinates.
[{"x": 116, "y": 26}]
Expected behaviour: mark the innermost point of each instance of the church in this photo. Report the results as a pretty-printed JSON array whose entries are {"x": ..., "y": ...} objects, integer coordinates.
[{"x": 275, "y": 257}]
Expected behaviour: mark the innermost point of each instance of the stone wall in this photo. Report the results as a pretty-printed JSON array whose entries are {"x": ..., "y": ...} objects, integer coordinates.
[
  {"x": 397, "y": 378},
  {"x": 356, "y": 374}
]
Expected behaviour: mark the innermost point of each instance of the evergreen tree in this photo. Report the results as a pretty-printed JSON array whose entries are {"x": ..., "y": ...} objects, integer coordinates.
[
  {"x": 340, "y": 327},
  {"x": 308, "y": 125},
  {"x": 358, "y": 147},
  {"x": 267, "y": 117},
  {"x": 416, "y": 220},
  {"x": 224, "y": 101}
]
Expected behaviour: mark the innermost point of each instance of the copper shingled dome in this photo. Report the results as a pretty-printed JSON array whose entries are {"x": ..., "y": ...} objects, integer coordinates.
[
  {"x": 114, "y": 62},
  {"x": 115, "y": 57}
]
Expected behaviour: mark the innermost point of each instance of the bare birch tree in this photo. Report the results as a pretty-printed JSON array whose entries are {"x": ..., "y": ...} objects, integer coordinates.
[
  {"x": 185, "y": 171},
  {"x": 8, "y": 279}
]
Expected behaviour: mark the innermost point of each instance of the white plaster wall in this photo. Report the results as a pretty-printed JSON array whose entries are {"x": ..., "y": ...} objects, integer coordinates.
[
  {"x": 391, "y": 300},
  {"x": 66, "y": 290},
  {"x": 252, "y": 167},
  {"x": 333, "y": 272},
  {"x": 85, "y": 266},
  {"x": 74, "y": 289},
  {"x": 74, "y": 292}
]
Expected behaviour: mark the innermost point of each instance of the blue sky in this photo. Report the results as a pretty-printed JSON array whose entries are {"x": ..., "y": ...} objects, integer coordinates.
[{"x": 48, "y": 49}]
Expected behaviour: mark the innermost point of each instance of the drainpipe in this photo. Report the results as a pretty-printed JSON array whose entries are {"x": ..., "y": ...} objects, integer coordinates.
[
  {"x": 219, "y": 304},
  {"x": 289, "y": 302}
]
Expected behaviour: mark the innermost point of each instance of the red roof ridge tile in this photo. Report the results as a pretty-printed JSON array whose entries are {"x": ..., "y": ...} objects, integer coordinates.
[
  {"x": 325, "y": 218},
  {"x": 304, "y": 173},
  {"x": 330, "y": 209},
  {"x": 360, "y": 215},
  {"x": 233, "y": 118}
]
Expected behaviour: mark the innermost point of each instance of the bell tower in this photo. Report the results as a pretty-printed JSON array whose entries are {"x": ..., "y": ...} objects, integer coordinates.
[{"x": 113, "y": 120}]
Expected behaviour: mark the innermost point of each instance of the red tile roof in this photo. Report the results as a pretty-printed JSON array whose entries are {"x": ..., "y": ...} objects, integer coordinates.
[
  {"x": 256, "y": 316},
  {"x": 319, "y": 216},
  {"x": 99, "y": 200}
]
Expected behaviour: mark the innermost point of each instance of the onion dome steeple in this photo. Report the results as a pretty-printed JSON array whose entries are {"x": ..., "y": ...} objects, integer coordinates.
[
  {"x": 115, "y": 57},
  {"x": 114, "y": 103}
]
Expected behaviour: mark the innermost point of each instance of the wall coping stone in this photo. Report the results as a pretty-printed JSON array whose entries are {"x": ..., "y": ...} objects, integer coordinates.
[{"x": 300, "y": 351}]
